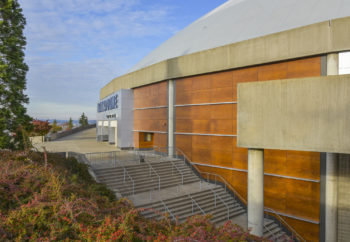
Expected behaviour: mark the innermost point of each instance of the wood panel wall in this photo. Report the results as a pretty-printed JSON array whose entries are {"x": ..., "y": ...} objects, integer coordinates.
[
  {"x": 151, "y": 118},
  {"x": 289, "y": 196}
]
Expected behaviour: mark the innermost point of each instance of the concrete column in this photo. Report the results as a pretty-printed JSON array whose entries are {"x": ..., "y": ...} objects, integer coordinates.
[
  {"x": 332, "y": 64},
  {"x": 171, "y": 94},
  {"x": 256, "y": 191},
  {"x": 331, "y": 173},
  {"x": 331, "y": 203}
]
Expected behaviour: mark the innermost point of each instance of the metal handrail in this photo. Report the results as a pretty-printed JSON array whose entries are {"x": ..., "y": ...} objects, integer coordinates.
[
  {"x": 181, "y": 173},
  {"x": 155, "y": 172},
  {"x": 166, "y": 208},
  {"x": 133, "y": 182},
  {"x": 217, "y": 195},
  {"x": 195, "y": 202},
  {"x": 294, "y": 233},
  {"x": 116, "y": 163},
  {"x": 270, "y": 210}
]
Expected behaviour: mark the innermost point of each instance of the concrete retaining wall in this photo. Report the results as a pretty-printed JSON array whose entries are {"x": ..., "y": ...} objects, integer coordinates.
[{"x": 69, "y": 132}]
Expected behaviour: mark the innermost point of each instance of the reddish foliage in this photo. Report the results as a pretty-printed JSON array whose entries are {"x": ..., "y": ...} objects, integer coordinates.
[{"x": 41, "y": 127}]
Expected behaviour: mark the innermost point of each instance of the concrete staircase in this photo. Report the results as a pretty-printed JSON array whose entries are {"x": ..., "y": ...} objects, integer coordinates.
[
  {"x": 138, "y": 179},
  {"x": 273, "y": 232},
  {"x": 146, "y": 176},
  {"x": 202, "y": 202}
]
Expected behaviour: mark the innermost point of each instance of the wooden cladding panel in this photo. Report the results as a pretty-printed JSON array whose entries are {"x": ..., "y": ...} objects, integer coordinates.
[
  {"x": 208, "y": 119},
  {"x": 294, "y": 197},
  {"x": 151, "y": 125},
  {"x": 136, "y": 140},
  {"x": 160, "y": 140},
  {"x": 291, "y": 196},
  {"x": 309, "y": 231},
  {"x": 306, "y": 67},
  {"x": 144, "y": 114},
  {"x": 151, "y": 119},
  {"x": 151, "y": 95},
  {"x": 209, "y": 88},
  {"x": 184, "y": 143}
]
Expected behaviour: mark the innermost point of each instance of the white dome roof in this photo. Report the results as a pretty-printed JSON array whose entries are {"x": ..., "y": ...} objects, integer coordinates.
[{"x": 238, "y": 20}]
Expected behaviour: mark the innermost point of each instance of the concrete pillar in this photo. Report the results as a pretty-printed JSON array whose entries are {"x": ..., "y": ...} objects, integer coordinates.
[
  {"x": 331, "y": 198},
  {"x": 256, "y": 191},
  {"x": 171, "y": 94},
  {"x": 332, "y": 64},
  {"x": 331, "y": 173}
]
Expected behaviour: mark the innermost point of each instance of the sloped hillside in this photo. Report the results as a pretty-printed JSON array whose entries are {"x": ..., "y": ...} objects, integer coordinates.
[{"x": 58, "y": 200}]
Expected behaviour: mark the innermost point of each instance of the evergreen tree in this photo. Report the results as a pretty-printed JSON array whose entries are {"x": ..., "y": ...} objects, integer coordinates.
[
  {"x": 14, "y": 122},
  {"x": 55, "y": 128},
  {"x": 70, "y": 124},
  {"x": 83, "y": 120}
]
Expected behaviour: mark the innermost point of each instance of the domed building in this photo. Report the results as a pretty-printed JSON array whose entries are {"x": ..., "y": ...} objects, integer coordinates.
[{"x": 255, "y": 91}]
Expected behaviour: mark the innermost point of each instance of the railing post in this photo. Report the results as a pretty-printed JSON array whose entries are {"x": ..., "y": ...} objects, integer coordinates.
[
  {"x": 215, "y": 200},
  {"x": 124, "y": 175}
]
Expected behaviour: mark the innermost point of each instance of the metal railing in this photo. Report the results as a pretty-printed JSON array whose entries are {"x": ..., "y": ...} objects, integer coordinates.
[
  {"x": 98, "y": 158},
  {"x": 178, "y": 170},
  {"x": 167, "y": 209},
  {"x": 181, "y": 155},
  {"x": 132, "y": 180},
  {"x": 154, "y": 171},
  {"x": 195, "y": 202},
  {"x": 222, "y": 201}
]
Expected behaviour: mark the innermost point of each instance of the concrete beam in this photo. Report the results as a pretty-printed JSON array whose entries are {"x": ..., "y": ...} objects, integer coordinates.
[
  {"x": 306, "y": 114},
  {"x": 256, "y": 191},
  {"x": 316, "y": 39}
]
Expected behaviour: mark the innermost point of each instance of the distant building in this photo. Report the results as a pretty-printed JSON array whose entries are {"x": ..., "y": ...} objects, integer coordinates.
[{"x": 184, "y": 95}]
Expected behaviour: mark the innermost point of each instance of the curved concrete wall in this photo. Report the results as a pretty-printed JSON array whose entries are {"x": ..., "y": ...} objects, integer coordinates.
[{"x": 315, "y": 39}]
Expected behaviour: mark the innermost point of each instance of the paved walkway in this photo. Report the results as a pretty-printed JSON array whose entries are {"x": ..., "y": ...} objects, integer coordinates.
[{"x": 82, "y": 142}]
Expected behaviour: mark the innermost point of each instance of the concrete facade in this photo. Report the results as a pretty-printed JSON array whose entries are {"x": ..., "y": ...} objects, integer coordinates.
[{"x": 309, "y": 114}]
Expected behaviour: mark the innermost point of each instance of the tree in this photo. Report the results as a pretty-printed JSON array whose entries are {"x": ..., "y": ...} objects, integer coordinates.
[
  {"x": 14, "y": 122},
  {"x": 70, "y": 124},
  {"x": 41, "y": 127},
  {"x": 55, "y": 128},
  {"x": 83, "y": 120}
]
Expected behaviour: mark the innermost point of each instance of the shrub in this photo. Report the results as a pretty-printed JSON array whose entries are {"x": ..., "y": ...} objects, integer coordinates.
[{"x": 60, "y": 201}]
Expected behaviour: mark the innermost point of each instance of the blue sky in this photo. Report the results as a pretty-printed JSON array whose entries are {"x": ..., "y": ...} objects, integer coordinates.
[{"x": 74, "y": 47}]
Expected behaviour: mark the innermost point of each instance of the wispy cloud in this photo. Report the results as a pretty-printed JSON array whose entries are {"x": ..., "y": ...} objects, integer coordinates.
[{"x": 74, "y": 47}]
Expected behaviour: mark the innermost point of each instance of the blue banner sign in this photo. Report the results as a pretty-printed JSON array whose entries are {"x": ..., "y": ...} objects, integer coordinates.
[{"x": 108, "y": 104}]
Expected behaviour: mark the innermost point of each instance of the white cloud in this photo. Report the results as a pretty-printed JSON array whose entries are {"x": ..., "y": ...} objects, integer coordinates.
[{"x": 74, "y": 47}]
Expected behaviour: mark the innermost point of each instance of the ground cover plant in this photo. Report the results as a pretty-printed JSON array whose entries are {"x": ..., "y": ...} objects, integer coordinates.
[{"x": 57, "y": 200}]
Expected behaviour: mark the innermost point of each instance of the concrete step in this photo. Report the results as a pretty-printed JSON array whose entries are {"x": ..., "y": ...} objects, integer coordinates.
[
  {"x": 150, "y": 187},
  {"x": 139, "y": 176},
  {"x": 178, "y": 199}
]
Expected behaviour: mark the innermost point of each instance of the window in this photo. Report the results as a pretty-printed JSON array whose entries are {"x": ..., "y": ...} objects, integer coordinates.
[
  {"x": 344, "y": 63},
  {"x": 148, "y": 137}
]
